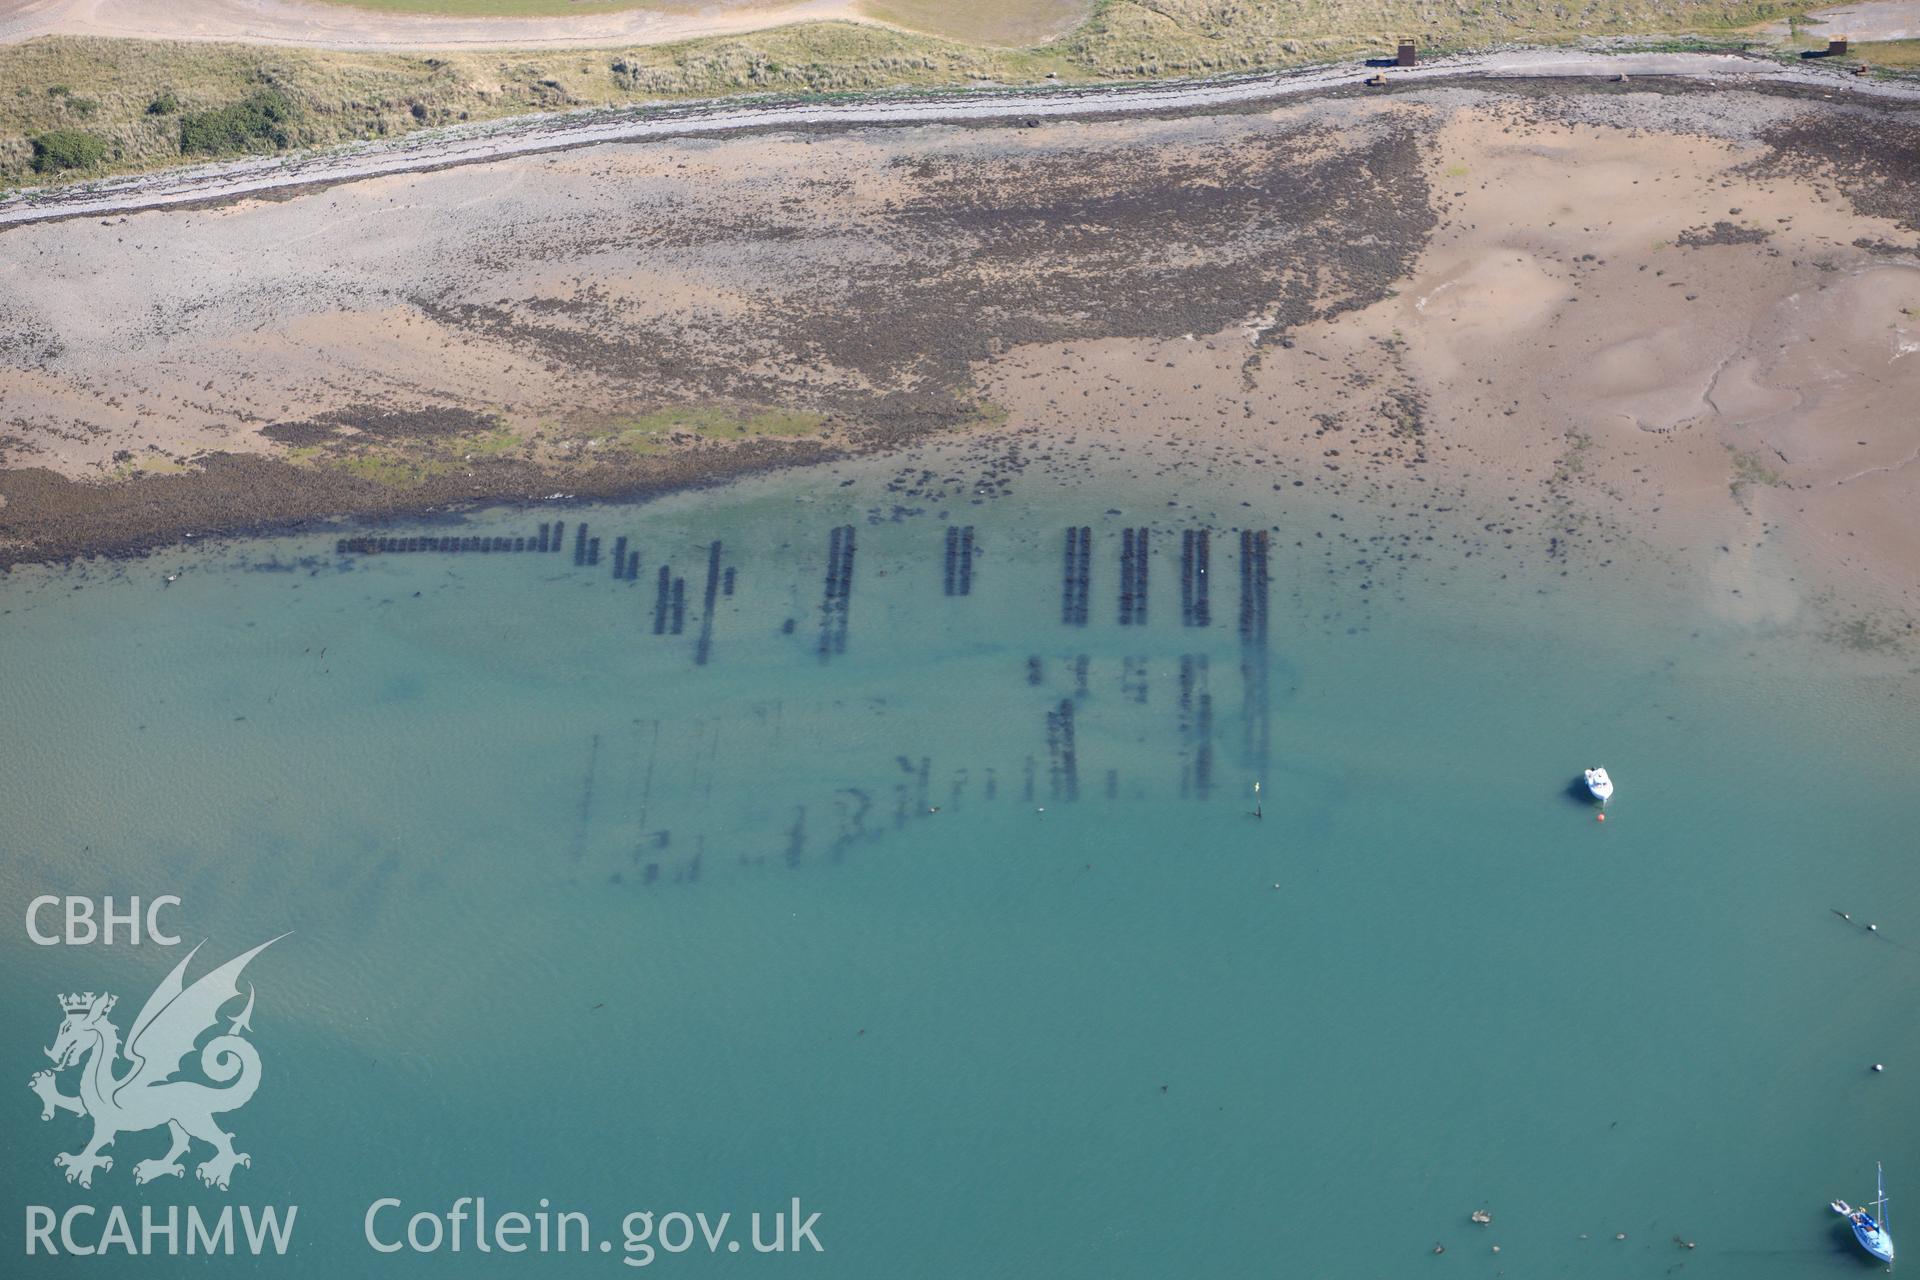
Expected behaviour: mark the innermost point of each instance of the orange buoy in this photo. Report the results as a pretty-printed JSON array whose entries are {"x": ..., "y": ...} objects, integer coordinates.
[{"x": 1599, "y": 817}]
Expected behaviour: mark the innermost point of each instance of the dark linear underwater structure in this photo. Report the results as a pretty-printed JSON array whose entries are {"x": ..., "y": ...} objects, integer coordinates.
[
  {"x": 959, "y": 558},
  {"x": 1055, "y": 773}
]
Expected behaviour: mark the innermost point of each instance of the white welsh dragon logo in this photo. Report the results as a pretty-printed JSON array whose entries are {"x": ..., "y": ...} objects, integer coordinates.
[{"x": 146, "y": 1096}]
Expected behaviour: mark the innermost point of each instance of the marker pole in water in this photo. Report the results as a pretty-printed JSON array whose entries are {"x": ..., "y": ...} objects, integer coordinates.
[{"x": 1256, "y": 801}]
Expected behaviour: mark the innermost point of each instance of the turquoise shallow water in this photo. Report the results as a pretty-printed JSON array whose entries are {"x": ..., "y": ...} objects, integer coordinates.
[{"x": 576, "y": 916}]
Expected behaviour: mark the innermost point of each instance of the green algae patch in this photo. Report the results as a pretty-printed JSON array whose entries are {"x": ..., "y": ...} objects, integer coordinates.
[
  {"x": 151, "y": 464},
  {"x": 496, "y": 443},
  {"x": 404, "y": 450},
  {"x": 398, "y": 449},
  {"x": 683, "y": 426},
  {"x": 987, "y": 414},
  {"x": 387, "y": 471},
  {"x": 1751, "y": 469}
]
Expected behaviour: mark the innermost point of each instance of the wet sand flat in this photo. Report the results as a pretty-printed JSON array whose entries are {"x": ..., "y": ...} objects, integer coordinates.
[{"x": 1645, "y": 315}]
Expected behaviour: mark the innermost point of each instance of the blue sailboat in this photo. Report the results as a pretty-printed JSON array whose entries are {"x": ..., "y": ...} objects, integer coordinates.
[{"x": 1870, "y": 1229}]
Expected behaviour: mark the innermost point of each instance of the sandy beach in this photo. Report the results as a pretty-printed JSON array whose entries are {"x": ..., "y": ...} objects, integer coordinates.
[{"x": 1639, "y": 315}]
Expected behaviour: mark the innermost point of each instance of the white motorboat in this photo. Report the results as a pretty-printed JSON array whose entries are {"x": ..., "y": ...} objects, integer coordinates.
[{"x": 1599, "y": 785}]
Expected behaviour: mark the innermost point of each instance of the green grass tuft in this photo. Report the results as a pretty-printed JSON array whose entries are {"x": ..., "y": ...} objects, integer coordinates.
[
  {"x": 261, "y": 121},
  {"x": 63, "y": 149}
]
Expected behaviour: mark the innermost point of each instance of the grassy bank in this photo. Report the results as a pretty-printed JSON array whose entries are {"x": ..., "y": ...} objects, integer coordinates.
[
  {"x": 73, "y": 107},
  {"x": 1895, "y": 55},
  {"x": 148, "y": 104},
  {"x": 1175, "y": 37}
]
